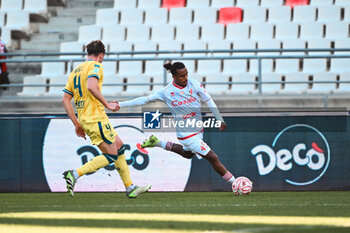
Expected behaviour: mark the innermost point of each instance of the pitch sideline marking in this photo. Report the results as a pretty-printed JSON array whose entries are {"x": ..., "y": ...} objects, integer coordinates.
[{"x": 245, "y": 219}]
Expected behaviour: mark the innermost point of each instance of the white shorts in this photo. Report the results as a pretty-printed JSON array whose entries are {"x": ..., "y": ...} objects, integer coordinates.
[{"x": 196, "y": 144}]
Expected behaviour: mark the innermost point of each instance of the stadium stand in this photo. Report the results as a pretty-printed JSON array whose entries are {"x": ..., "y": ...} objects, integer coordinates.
[{"x": 173, "y": 25}]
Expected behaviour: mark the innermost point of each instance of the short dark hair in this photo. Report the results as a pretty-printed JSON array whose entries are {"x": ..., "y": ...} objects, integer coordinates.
[
  {"x": 174, "y": 67},
  {"x": 95, "y": 47}
]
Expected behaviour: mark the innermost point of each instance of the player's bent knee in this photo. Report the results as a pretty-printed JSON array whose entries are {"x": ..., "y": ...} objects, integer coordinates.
[{"x": 111, "y": 158}]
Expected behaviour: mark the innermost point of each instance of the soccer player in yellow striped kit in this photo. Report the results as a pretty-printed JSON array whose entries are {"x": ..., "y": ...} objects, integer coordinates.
[{"x": 85, "y": 84}]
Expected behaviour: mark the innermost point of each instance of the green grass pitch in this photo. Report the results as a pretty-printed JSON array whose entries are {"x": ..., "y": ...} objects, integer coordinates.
[{"x": 176, "y": 212}]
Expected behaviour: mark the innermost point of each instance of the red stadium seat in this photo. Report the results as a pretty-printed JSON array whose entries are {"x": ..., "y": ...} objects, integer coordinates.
[
  {"x": 293, "y": 3},
  {"x": 230, "y": 15},
  {"x": 173, "y": 3}
]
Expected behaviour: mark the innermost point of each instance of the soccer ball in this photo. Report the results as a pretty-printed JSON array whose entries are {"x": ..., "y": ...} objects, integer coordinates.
[{"x": 242, "y": 186}]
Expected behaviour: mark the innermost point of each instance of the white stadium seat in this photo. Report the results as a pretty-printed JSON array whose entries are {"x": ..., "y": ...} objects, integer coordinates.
[
  {"x": 71, "y": 47},
  {"x": 138, "y": 33},
  {"x": 120, "y": 46},
  {"x": 271, "y": 3},
  {"x": 18, "y": 20},
  {"x": 222, "y": 3},
  {"x": 341, "y": 44},
  {"x": 245, "y": 3},
  {"x": 131, "y": 17},
  {"x": 156, "y": 16},
  {"x": 303, "y": 14},
  {"x": 237, "y": 31},
  {"x": 124, "y": 4},
  {"x": 293, "y": 44},
  {"x": 205, "y": 15},
  {"x": 36, "y": 6},
  {"x": 286, "y": 31},
  {"x": 340, "y": 65},
  {"x": 323, "y": 87},
  {"x": 194, "y": 45},
  {"x": 148, "y": 4},
  {"x": 289, "y": 65},
  {"x": 312, "y": 30},
  {"x": 206, "y": 67},
  {"x": 187, "y": 32},
  {"x": 261, "y": 31},
  {"x": 136, "y": 89},
  {"x": 216, "y": 89},
  {"x": 113, "y": 33},
  {"x": 169, "y": 46},
  {"x": 271, "y": 88},
  {"x": 181, "y": 15},
  {"x": 342, "y": 3},
  {"x": 280, "y": 14},
  {"x": 235, "y": 66},
  {"x": 315, "y": 65},
  {"x": 267, "y": 64},
  {"x": 295, "y": 87},
  {"x": 212, "y": 32},
  {"x": 328, "y": 13},
  {"x": 49, "y": 69},
  {"x": 247, "y": 88},
  {"x": 142, "y": 46},
  {"x": 254, "y": 15},
  {"x": 154, "y": 67},
  {"x": 337, "y": 30},
  {"x": 321, "y": 2},
  {"x": 109, "y": 67},
  {"x": 244, "y": 44},
  {"x": 109, "y": 90},
  {"x": 56, "y": 90},
  {"x": 89, "y": 33},
  {"x": 219, "y": 45},
  {"x": 2, "y": 19},
  {"x": 344, "y": 87},
  {"x": 33, "y": 90},
  {"x": 11, "y": 5},
  {"x": 347, "y": 13},
  {"x": 107, "y": 16},
  {"x": 163, "y": 32},
  {"x": 197, "y": 4},
  {"x": 128, "y": 68},
  {"x": 319, "y": 44}
]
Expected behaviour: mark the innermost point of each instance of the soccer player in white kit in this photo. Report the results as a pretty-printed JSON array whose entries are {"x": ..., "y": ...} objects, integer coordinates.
[{"x": 183, "y": 97}]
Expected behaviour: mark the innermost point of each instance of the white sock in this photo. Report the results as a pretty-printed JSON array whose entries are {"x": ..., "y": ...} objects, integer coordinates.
[
  {"x": 75, "y": 174},
  {"x": 161, "y": 144}
]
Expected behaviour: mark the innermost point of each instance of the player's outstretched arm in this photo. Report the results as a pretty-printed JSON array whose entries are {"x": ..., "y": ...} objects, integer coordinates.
[
  {"x": 135, "y": 102},
  {"x": 214, "y": 109}
]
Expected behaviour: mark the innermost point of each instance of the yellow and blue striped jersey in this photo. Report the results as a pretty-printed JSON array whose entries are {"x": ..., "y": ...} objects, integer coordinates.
[{"x": 88, "y": 107}]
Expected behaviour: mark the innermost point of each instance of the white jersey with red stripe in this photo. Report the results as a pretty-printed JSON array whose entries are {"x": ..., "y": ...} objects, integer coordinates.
[{"x": 184, "y": 104}]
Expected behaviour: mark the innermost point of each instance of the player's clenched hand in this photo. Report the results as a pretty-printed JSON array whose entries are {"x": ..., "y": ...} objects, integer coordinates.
[
  {"x": 113, "y": 106},
  {"x": 80, "y": 132},
  {"x": 223, "y": 126}
]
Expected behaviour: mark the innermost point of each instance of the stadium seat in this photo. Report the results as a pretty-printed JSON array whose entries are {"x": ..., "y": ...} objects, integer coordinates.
[
  {"x": 271, "y": 3},
  {"x": 303, "y": 14},
  {"x": 125, "y": 4},
  {"x": 293, "y": 3},
  {"x": 340, "y": 65},
  {"x": 286, "y": 31},
  {"x": 293, "y": 44},
  {"x": 137, "y": 89},
  {"x": 2, "y": 19},
  {"x": 341, "y": 44},
  {"x": 243, "y": 44},
  {"x": 205, "y": 15},
  {"x": 290, "y": 87},
  {"x": 148, "y": 4},
  {"x": 279, "y": 14},
  {"x": 342, "y": 3},
  {"x": 267, "y": 64},
  {"x": 113, "y": 33},
  {"x": 321, "y": 2},
  {"x": 108, "y": 89},
  {"x": 237, "y": 31},
  {"x": 57, "y": 84},
  {"x": 128, "y": 68},
  {"x": 107, "y": 16},
  {"x": 138, "y": 33},
  {"x": 18, "y": 20},
  {"x": 337, "y": 30},
  {"x": 156, "y": 79},
  {"x": 235, "y": 66},
  {"x": 109, "y": 68},
  {"x": 212, "y": 32},
  {"x": 347, "y": 13},
  {"x": 188, "y": 32},
  {"x": 216, "y": 89},
  {"x": 11, "y": 5},
  {"x": 49, "y": 69},
  {"x": 173, "y": 3},
  {"x": 36, "y": 6},
  {"x": 207, "y": 67},
  {"x": 314, "y": 65},
  {"x": 254, "y": 15},
  {"x": 311, "y": 30},
  {"x": 323, "y": 87},
  {"x": 156, "y": 16},
  {"x": 6, "y": 36},
  {"x": 222, "y": 3},
  {"x": 89, "y": 32},
  {"x": 261, "y": 31},
  {"x": 33, "y": 90},
  {"x": 229, "y": 15},
  {"x": 247, "y": 88},
  {"x": 284, "y": 66},
  {"x": 329, "y": 13},
  {"x": 194, "y": 45},
  {"x": 197, "y": 4},
  {"x": 71, "y": 47},
  {"x": 182, "y": 15},
  {"x": 171, "y": 45},
  {"x": 247, "y": 4},
  {"x": 163, "y": 32},
  {"x": 270, "y": 88},
  {"x": 319, "y": 44},
  {"x": 154, "y": 67},
  {"x": 142, "y": 46},
  {"x": 343, "y": 87},
  {"x": 131, "y": 17},
  {"x": 219, "y": 45}
]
